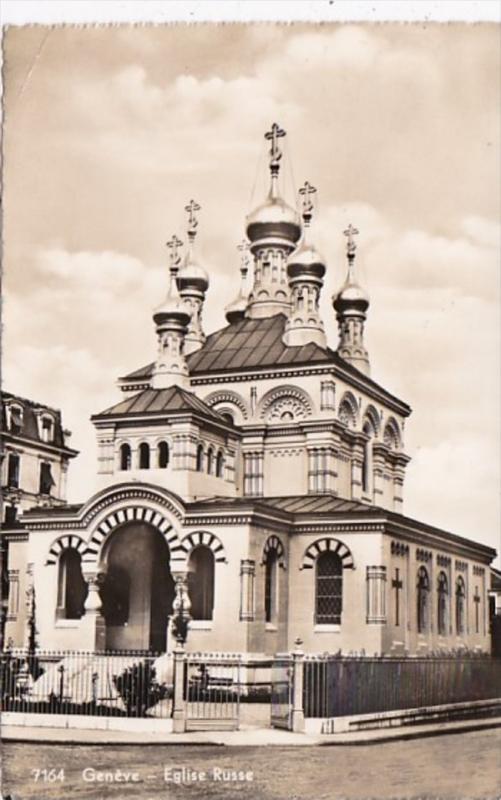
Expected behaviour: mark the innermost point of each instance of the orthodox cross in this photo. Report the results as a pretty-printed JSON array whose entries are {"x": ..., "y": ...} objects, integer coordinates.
[
  {"x": 476, "y": 599},
  {"x": 307, "y": 191},
  {"x": 192, "y": 208},
  {"x": 274, "y": 135},
  {"x": 350, "y": 232},
  {"x": 397, "y": 585},
  {"x": 243, "y": 247},
  {"x": 173, "y": 245}
]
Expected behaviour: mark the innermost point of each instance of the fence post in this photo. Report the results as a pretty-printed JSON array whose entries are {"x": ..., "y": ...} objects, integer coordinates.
[
  {"x": 297, "y": 716},
  {"x": 178, "y": 707}
]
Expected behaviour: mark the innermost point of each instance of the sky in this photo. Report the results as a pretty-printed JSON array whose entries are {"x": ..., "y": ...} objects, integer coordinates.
[{"x": 110, "y": 131}]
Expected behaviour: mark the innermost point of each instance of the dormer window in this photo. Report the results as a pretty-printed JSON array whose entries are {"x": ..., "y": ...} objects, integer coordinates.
[
  {"x": 15, "y": 418},
  {"x": 47, "y": 428}
]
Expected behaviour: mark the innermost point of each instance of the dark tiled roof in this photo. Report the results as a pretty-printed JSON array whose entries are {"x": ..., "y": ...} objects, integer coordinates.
[
  {"x": 253, "y": 344},
  {"x": 160, "y": 401},
  {"x": 297, "y": 504},
  {"x": 29, "y": 428}
]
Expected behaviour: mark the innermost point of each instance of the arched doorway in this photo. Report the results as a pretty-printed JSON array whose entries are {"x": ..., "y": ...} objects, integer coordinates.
[{"x": 138, "y": 590}]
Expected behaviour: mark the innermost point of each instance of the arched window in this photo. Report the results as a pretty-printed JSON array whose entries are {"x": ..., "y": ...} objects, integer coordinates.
[
  {"x": 71, "y": 586},
  {"x": 144, "y": 455},
  {"x": 271, "y": 586},
  {"x": 125, "y": 456},
  {"x": 367, "y": 460},
  {"x": 13, "y": 466},
  {"x": 329, "y": 589},
  {"x": 201, "y": 582},
  {"x": 442, "y": 603},
  {"x": 200, "y": 458},
  {"x": 210, "y": 461},
  {"x": 460, "y": 606},
  {"x": 163, "y": 455},
  {"x": 228, "y": 417},
  {"x": 220, "y": 464},
  {"x": 423, "y": 586}
]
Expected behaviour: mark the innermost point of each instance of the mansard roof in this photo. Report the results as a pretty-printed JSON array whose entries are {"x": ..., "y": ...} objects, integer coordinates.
[
  {"x": 251, "y": 344},
  {"x": 159, "y": 402},
  {"x": 30, "y": 429}
]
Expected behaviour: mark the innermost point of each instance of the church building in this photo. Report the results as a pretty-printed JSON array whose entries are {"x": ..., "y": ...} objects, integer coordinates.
[{"x": 256, "y": 475}]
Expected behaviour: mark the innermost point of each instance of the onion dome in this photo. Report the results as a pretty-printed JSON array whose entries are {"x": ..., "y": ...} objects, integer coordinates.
[
  {"x": 173, "y": 309},
  {"x": 192, "y": 275},
  {"x": 274, "y": 219},
  {"x": 306, "y": 261},
  {"x": 351, "y": 297},
  {"x": 235, "y": 311}
]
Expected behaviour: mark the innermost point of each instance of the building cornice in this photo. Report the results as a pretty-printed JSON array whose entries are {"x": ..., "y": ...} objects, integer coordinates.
[{"x": 37, "y": 444}]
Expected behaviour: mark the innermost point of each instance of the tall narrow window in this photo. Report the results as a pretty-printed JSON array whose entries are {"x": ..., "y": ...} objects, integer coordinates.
[
  {"x": 47, "y": 429},
  {"x": 200, "y": 458},
  {"x": 329, "y": 589},
  {"x": 210, "y": 460},
  {"x": 16, "y": 419},
  {"x": 220, "y": 464},
  {"x": 271, "y": 586},
  {"x": 442, "y": 603},
  {"x": 71, "y": 586},
  {"x": 163, "y": 455},
  {"x": 460, "y": 606},
  {"x": 423, "y": 586},
  {"x": 125, "y": 457},
  {"x": 46, "y": 479},
  {"x": 201, "y": 582},
  {"x": 13, "y": 466},
  {"x": 144, "y": 455}
]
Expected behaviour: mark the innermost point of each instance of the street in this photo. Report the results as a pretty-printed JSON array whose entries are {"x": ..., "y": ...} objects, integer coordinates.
[{"x": 466, "y": 765}]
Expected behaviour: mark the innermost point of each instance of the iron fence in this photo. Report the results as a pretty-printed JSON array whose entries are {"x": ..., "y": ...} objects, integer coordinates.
[
  {"x": 281, "y": 691},
  {"x": 108, "y": 684},
  {"x": 337, "y": 686},
  {"x": 212, "y": 688}
]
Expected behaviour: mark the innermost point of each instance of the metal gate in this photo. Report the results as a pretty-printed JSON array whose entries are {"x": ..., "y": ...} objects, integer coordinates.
[
  {"x": 212, "y": 692},
  {"x": 281, "y": 692}
]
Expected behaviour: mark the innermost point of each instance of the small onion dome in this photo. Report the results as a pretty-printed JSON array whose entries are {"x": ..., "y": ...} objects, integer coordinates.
[
  {"x": 192, "y": 276},
  {"x": 273, "y": 219},
  {"x": 306, "y": 262},
  {"x": 235, "y": 311},
  {"x": 172, "y": 309},
  {"x": 351, "y": 297}
]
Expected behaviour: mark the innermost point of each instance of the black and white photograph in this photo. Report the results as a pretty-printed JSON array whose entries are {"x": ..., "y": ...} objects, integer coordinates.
[{"x": 250, "y": 446}]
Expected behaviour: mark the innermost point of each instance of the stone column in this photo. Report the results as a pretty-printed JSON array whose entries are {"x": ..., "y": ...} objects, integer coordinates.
[
  {"x": 178, "y": 703},
  {"x": 247, "y": 577},
  {"x": 376, "y": 595},
  {"x": 93, "y": 626},
  {"x": 297, "y": 714},
  {"x": 356, "y": 473}
]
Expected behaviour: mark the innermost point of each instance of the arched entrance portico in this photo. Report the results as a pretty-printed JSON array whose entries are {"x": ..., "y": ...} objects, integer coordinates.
[{"x": 138, "y": 589}]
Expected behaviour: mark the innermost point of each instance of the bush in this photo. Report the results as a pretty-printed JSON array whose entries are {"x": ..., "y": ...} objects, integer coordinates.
[{"x": 139, "y": 688}]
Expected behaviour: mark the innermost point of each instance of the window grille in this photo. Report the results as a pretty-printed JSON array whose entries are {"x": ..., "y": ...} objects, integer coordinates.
[
  {"x": 460, "y": 606},
  {"x": 442, "y": 603},
  {"x": 423, "y": 585},
  {"x": 329, "y": 589}
]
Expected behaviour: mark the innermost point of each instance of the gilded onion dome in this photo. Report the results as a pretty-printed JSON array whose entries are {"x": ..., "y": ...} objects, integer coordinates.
[
  {"x": 235, "y": 311},
  {"x": 274, "y": 219},
  {"x": 351, "y": 296},
  {"x": 192, "y": 275},
  {"x": 173, "y": 309},
  {"x": 306, "y": 261}
]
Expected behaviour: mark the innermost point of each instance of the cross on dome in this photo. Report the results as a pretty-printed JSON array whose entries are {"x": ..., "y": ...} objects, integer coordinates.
[
  {"x": 351, "y": 246},
  {"x": 192, "y": 208},
  {"x": 243, "y": 247},
  {"x": 307, "y": 191},
  {"x": 273, "y": 135},
  {"x": 174, "y": 244}
]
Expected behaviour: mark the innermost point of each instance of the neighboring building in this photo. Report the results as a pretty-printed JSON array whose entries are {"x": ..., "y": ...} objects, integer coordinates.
[
  {"x": 34, "y": 467},
  {"x": 258, "y": 474}
]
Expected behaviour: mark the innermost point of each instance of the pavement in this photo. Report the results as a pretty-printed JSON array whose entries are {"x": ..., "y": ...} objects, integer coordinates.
[{"x": 245, "y": 737}]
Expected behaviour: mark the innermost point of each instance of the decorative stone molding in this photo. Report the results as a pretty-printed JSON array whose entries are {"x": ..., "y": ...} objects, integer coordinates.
[
  {"x": 206, "y": 539},
  {"x": 320, "y": 546},
  {"x": 65, "y": 543},
  {"x": 399, "y": 549},
  {"x": 247, "y": 595},
  {"x": 478, "y": 570},
  {"x": 285, "y": 400},
  {"x": 372, "y": 417},
  {"x": 461, "y": 566},
  {"x": 274, "y": 543},
  {"x": 327, "y": 396},
  {"x": 391, "y": 435},
  {"x": 348, "y": 410},
  {"x": 135, "y": 514},
  {"x": 228, "y": 396},
  {"x": 376, "y": 595},
  {"x": 443, "y": 561},
  {"x": 423, "y": 555}
]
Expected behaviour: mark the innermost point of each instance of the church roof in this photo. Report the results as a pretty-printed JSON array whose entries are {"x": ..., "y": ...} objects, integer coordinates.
[
  {"x": 256, "y": 344},
  {"x": 161, "y": 401}
]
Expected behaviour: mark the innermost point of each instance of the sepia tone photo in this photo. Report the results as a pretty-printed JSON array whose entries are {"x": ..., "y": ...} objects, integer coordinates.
[{"x": 250, "y": 411}]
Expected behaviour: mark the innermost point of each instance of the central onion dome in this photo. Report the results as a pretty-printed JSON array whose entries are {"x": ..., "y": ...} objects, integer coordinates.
[
  {"x": 274, "y": 219},
  {"x": 192, "y": 276}
]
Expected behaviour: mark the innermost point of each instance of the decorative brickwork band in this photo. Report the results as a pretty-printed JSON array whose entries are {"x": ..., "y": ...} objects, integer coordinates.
[
  {"x": 376, "y": 595},
  {"x": 247, "y": 578}
]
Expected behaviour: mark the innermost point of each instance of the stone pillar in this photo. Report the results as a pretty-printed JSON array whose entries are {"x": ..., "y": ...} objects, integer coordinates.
[
  {"x": 93, "y": 626},
  {"x": 297, "y": 714},
  {"x": 247, "y": 577},
  {"x": 178, "y": 703},
  {"x": 356, "y": 474},
  {"x": 376, "y": 595}
]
